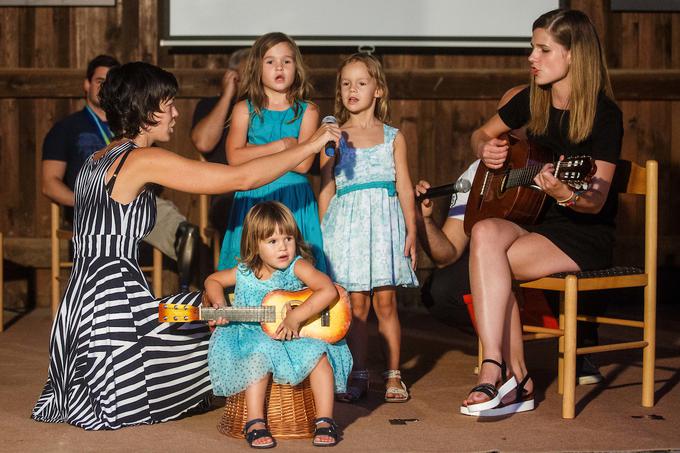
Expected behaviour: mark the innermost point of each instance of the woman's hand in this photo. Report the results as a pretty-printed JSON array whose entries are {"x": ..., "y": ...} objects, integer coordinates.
[
  {"x": 289, "y": 142},
  {"x": 410, "y": 249},
  {"x": 328, "y": 132},
  {"x": 546, "y": 180},
  {"x": 289, "y": 327},
  {"x": 493, "y": 152},
  {"x": 426, "y": 204},
  {"x": 207, "y": 302}
]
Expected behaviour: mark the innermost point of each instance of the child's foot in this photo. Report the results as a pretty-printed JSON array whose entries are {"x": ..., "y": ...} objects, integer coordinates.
[
  {"x": 326, "y": 432},
  {"x": 257, "y": 434},
  {"x": 395, "y": 389}
]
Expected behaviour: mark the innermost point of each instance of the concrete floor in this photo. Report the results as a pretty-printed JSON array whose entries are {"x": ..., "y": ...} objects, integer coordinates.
[{"x": 438, "y": 363}]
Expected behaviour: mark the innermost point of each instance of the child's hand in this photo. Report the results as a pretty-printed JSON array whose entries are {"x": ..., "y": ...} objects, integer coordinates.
[
  {"x": 207, "y": 302},
  {"x": 289, "y": 327},
  {"x": 410, "y": 249}
]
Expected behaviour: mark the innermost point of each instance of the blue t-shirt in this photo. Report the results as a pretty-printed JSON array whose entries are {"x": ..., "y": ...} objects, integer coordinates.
[{"x": 73, "y": 140}]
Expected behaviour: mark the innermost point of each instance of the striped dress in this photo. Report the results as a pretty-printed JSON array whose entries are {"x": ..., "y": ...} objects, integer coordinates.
[{"x": 112, "y": 364}]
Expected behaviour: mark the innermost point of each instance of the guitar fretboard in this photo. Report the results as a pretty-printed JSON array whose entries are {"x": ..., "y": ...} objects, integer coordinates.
[
  {"x": 521, "y": 176},
  {"x": 243, "y": 314}
]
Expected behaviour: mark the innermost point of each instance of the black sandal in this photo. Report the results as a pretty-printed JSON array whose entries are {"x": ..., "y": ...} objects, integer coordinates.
[
  {"x": 330, "y": 431},
  {"x": 523, "y": 402},
  {"x": 494, "y": 393},
  {"x": 252, "y": 436}
]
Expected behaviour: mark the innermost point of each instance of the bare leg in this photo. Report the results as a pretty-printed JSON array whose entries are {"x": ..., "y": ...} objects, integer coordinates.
[
  {"x": 321, "y": 380},
  {"x": 385, "y": 306},
  {"x": 255, "y": 394},
  {"x": 500, "y": 251},
  {"x": 357, "y": 338}
]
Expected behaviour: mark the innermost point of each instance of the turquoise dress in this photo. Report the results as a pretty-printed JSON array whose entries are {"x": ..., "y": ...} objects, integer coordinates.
[
  {"x": 240, "y": 353},
  {"x": 292, "y": 189},
  {"x": 364, "y": 230}
]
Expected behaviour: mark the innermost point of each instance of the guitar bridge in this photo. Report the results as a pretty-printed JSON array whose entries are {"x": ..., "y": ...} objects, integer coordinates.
[{"x": 326, "y": 317}]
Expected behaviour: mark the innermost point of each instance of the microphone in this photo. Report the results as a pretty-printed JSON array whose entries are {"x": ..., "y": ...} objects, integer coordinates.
[
  {"x": 460, "y": 186},
  {"x": 329, "y": 148}
]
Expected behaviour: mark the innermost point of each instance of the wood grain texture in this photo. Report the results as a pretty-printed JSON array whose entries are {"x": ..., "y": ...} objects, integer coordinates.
[{"x": 439, "y": 98}]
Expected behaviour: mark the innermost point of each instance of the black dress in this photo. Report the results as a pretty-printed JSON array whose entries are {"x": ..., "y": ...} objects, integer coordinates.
[
  {"x": 588, "y": 239},
  {"x": 112, "y": 364}
]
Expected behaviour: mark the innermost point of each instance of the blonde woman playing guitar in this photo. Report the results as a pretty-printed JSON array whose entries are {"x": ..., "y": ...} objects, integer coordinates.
[{"x": 567, "y": 108}]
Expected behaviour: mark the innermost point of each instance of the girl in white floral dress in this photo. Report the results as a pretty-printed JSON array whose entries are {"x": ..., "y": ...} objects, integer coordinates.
[{"x": 367, "y": 208}]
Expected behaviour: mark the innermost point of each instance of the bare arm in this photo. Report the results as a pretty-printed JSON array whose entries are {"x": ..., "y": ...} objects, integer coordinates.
[
  {"x": 237, "y": 148},
  {"x": 215, "y": 284},
  {"x": 213, "y": 294},
  {"x": 589, "y": 202},
  {"x": 310, "y": 121},
  {"x": 207, "y": 132},
  {"x": 327, "y": 183},
  {"x": 485, "y": 142},
  {"x": 53, "y": 187},
  {"x": 159, "y": 166},
  {"x": 443, "y": 245},
  {"x": 324, "y": 293},
  {"x": 406, "y": 196}
]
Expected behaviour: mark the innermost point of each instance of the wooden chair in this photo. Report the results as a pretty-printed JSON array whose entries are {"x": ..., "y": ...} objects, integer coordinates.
[
  {"x": 289, "y": 410},
  {"x": 59, "y": 234},
  {"x": 630, "y": 179}
]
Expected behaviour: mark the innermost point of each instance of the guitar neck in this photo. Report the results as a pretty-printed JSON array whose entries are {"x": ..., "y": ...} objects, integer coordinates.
[
  {"x": 522, "y": 176},
  {"x": 239, "y": 314}
]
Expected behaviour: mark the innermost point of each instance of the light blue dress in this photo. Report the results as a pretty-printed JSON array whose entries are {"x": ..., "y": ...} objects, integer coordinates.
[
  {"x": 292, "y": 189},
  {"x": 364, "y": 229},
  {"x": 241, "y": 353}
]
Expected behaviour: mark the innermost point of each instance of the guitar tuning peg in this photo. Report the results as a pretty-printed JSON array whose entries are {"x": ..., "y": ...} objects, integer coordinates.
[
  {"x": 175, "y": 318},
  {"x": 186, "y": 318}
]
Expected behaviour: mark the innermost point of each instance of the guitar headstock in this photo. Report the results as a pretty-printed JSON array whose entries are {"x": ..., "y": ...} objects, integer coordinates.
[
  {"x": 178, "y": 313},
  {"x": 575, "y": 171}
]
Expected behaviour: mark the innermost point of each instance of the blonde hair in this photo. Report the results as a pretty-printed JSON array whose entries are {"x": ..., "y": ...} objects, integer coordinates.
[
  {"x": 251, "y": 82},
  {"x": 588, "y": 70},
  {"x": 260, "y": 223},
  {"x": 375, "y": 70}
]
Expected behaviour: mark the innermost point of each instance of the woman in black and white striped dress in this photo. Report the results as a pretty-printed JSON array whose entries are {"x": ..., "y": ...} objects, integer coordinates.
[{"x": 112, "y": 364}]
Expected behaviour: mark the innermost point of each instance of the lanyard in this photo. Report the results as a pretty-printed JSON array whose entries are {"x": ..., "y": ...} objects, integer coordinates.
[{"x": 104, "y": 130}]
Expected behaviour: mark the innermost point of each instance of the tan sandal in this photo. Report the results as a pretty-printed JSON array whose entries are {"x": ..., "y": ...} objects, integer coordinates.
[{"x": 402, "y": 392}]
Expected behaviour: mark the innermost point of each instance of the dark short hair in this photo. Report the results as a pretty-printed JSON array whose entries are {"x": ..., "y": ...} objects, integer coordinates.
[
  {"x": 99, "y": 61},
  {"x": 132, "y": 93}
]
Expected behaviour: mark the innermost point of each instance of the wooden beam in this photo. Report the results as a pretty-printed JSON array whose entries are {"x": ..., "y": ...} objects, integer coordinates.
[{"x": 432, "y": 84}]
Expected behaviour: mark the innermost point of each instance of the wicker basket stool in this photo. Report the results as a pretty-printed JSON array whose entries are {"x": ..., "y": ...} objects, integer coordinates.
[{"x": 290, "y": 412}]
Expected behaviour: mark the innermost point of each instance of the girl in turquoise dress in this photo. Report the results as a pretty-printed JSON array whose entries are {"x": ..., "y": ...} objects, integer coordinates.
[
  {"x": 242, "y": 357},
  {"x": 369, "y": 225},
  {"x": 273, "y": 115}
]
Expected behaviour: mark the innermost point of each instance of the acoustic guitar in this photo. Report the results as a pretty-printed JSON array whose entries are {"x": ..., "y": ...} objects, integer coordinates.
[
  {"x": 331, "y": 325},
  {"x": 510, "y": 192}
]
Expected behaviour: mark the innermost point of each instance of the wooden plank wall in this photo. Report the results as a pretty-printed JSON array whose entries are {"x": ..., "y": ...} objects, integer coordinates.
[{"x": 437, "y": 131}]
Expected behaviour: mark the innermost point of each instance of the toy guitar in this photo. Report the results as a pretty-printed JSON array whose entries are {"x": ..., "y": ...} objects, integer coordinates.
[
  {"x": 510, "y": 192},
  {"x": 331, "y": 325}
]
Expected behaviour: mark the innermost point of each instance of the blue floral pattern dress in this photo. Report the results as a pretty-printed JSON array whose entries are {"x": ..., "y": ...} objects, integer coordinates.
[
  {"x": 364, "y": 230},
  {"x": 241, "y": 354}
]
